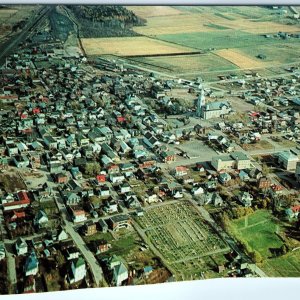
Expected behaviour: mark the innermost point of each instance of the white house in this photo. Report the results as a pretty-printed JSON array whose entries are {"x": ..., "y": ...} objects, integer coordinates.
[
  {"x": 79, "y": 216},
  {"x": 41, "y": 219},
  {"x": 78, "y": 270},
  {"x": 120, "y": 272},
  {"x": 21, "y": 246}
]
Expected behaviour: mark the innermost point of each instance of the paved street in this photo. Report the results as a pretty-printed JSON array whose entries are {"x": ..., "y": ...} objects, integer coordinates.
[
  {"x": 11, "y": 270},
  {"x": 88, "y": 255}
]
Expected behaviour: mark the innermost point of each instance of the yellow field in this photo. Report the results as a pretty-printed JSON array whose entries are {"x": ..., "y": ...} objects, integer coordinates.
[
  {"x": 175, "y": 24},
  {"x": 240, "y": 59},
  {"x": 153, "y": 11},
  {"x": 131, "y": 46},
  {"x": 187, "y": 22}
]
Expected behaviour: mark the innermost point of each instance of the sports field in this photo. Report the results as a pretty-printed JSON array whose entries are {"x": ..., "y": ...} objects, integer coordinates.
[{"x": 131, "y": 46}]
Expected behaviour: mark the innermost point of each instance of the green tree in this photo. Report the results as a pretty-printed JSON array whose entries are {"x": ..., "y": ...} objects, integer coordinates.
[
  {"x": 92, "y": 169},
  {"x": 256, "y": 257}
]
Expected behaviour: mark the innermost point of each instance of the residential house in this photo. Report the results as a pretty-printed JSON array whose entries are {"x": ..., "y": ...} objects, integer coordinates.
[
  {"x": 61, "y": 178},
  {"x": 101, "y": 246},
  {"x": 181, "y": 171},
  {"x": 2, "y": 251},
  {"x": 21, "y": 161},
  {"x": 119, "y": 221},
  {"x": 124, "y": 188},
  {"x": 89, "y": 228},
  {"x": 111, "y": 207},
  {"x": 22, "y": 202},
  {"x": 41, "y": 219},
  {"x": 71, "y": 198},
  {"x": 72, "y": 253},
  {"x": 116, "y": 178},
  {"x": 78, "y": 215},
  {"x": 245, "y": 198},
  {"x": 31, "y": 265},
  {"x": 151, "y": 197},
  {"x": 119, "y": 270},
  {"x": 224, "y": 178},
  {"x": 103, "y": 226},
  {"x": 77, "y": 271},
  {"x": 77, "y": 175}
]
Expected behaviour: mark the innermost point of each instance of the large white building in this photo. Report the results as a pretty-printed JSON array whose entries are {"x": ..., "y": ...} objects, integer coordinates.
[
  {"x": 236, "y": 160},
  {"x": 215, "y": 109},
  {"x": 288, "y": 160}
]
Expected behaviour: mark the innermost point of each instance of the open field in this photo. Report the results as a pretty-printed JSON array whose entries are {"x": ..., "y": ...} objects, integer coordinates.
[
  {"x": 11, "y": 182},
  {"x": 283, "y": 53},
  {"x": 261, "y": 145},
  {"x": 182, "y": 237},
  {"x": 260, "y": 235},
  {"x": 204, "y": 19},
  {"x": 259, "y": 232},
  {"x": 239, "y": 59},
  {"x": 154, "y": 11},
  {"x": 131, "y": 46},
  {"x": 189, "y": 63},
  {"x": 221, "y": 39}
]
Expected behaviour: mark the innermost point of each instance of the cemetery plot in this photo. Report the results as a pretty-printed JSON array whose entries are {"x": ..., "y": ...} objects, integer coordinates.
[{"x": 182, "y": 237}]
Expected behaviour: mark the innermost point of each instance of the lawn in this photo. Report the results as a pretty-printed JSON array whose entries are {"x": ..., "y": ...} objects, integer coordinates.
[
  {"x": 259, "y": 233},
  {"x": 98, "y": 236}
]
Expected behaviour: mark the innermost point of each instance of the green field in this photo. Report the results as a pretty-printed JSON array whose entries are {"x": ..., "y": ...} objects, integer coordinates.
[
  {"x": 260, "y": 235},
  {"x": 282, "y": 53},
  {"x": 284, "y": 266},
  {"x": 188, "y": 63},
  {"x": 221, "y": 39}
]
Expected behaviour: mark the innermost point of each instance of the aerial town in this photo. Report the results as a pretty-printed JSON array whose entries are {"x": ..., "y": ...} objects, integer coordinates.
[{"x": 155, "y": 151}]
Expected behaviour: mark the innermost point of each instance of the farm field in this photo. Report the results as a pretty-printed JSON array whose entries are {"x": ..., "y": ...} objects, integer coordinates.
[
  {"x": 131, "y": 46},
  {"x": 204, "y": 19},
  {"x": 154, "y": 11},
  {"x": 260, "y": 234},
  {"x": 182, "y": 237},
  {"x": 240, "y": 59},
  {"x": 283, "y": 53},
  {"x": 222, "y": 39},
  {"x": 189, "y": 63}
]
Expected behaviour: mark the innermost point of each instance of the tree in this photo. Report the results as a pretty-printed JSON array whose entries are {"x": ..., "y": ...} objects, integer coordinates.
[
  {"x": 92, "y": 169},
  {"x": 256, "y": 257},
  {"x": 265, "y": 170}
]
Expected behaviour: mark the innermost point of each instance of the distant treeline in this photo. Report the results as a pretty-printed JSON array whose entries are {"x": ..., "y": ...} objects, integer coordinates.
[{"x": 105, "y": 21}]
